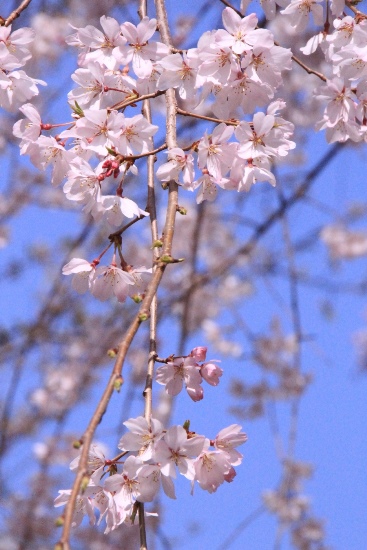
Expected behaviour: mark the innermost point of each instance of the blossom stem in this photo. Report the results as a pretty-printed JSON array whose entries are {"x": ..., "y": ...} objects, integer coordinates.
[
  {"x": 232, "y": 122},
  {"x": 142, "y": 528},
  {"x": 132, "y": 101}
]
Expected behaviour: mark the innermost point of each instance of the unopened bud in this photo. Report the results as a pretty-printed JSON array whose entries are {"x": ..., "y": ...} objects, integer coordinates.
[
  {"x": 59, "y": 546},
  {"x": 118, "y": 383},
  {"x": 167, "y": 259},
  {"x": 77, "y": 444},
  {"x": 157, "y": 244},
  {"x": 59, "y": 522},
  {"x": 143, "y": 316},
  {"x": 186, "y": 425},
  {"x": 77, "y": 109},
  {"x": 84, "y": 484},
  {"x": 199, "y": 353},
  {"x": 164, "y": 185},
  {"x": 112, "y": 352},
  {"x": 181, "y": 210},
  {"x": 137, "y": 298}
]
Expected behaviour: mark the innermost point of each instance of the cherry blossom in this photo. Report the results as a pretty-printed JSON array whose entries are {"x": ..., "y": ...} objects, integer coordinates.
[
  {"x": 179, "y": 72},
  {"x": 111, "y": 280},
  {"x": 103, "y": 44},
  {"x": 299, "y": 11},
  {"x": 129, "y": 486},
  {"x": 47, "y": 151},
  {"x": 138, "y": 50},
  {"x": 177, "y": 450},
  {"x": 84, "y": 273},
  {"x": 211, "y": 373},
  {"x": 17, "y": 42},
  {"x": 229, "y": 438},
  {"x": 182, "y": 370},
  {"x": 211, "y": 468},
  {"x": 28, "y": 130},
  {"x": 96, "y": 463},
  {"x": 115, "y": 208},
  {"x": 83, "y": 506},
  {"x": 142, "y": 436},
  {"x": 178, "y": 163},
  {"x": 214, "y": 151}
]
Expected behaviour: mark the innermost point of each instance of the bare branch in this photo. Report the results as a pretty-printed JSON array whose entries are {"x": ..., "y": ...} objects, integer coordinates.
[{"x": 16, "y": 13}]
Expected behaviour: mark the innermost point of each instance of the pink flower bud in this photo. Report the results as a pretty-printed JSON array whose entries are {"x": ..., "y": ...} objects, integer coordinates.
[
  {"x": 199, "y": 353},
  {"x": 211, "y": 373}
]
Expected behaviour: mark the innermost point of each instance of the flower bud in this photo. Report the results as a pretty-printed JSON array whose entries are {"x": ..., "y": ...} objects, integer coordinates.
[
  {"x": 84, "y": 484},
  {"x": 199, "y": 353},
  {"x": 59, "y": 522},
  {"x": 211, "y": 373},
  {"x": 112, "y": 352},
  {"x": 118, "y": 383}
]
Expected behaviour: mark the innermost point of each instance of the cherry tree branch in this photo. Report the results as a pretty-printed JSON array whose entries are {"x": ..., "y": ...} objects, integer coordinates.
[
  {"x": 144, "y": 309},
  {"x": 15, "y": 13}
]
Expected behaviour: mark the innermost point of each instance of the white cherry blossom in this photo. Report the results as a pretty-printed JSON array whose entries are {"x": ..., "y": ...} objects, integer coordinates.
[{"x": 177, "y": 450}]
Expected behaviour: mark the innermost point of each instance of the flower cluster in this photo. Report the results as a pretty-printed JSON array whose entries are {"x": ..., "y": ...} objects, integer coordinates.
[
  {"x": 345, "y": 91},
  {"x": 106, "y": 281},
  {"x": 189, "y": 371},
  {"x": 16, "y": 86},
  {"x": 238, "y": 67},
  {"x": 156, "y": 456}
]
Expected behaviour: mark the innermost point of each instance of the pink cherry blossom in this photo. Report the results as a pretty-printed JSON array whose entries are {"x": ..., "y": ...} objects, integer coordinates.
[
  {"x": 27, "y": 130},
  {"x": 138, "y": 50},
  {"x": 211, "y": 373},
  {"x": 83, "y": 271},
  {"x": 179, "y": 72},
  {"x": 214, "y": 151},
  {"x": 199, "y": 353},
  {"x": 115, "y": 208},
  {"x": 177, "y": 450},
  {"x": 211, "y": 468},
  {"x": 179, "y": 162},
  {"x": 229, "y": 438},
  {"x": 142, "y": 436},
  {"x": 111, "y": 280},
  {"x": 299, "y": 11},
  {"x": 182, "y": 370}
]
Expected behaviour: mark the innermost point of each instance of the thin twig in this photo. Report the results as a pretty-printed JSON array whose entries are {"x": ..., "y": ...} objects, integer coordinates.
[
  {"x": 358, "y": 13},
  {"x": 233, "y": 535},
  {"x": 132, "y": 101},
  {"x": 296, "y": 320},
  {"x": 151, "y": 153},
  {"x": 231, "y": 122},
  {"x": 16, "y": 13}
]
